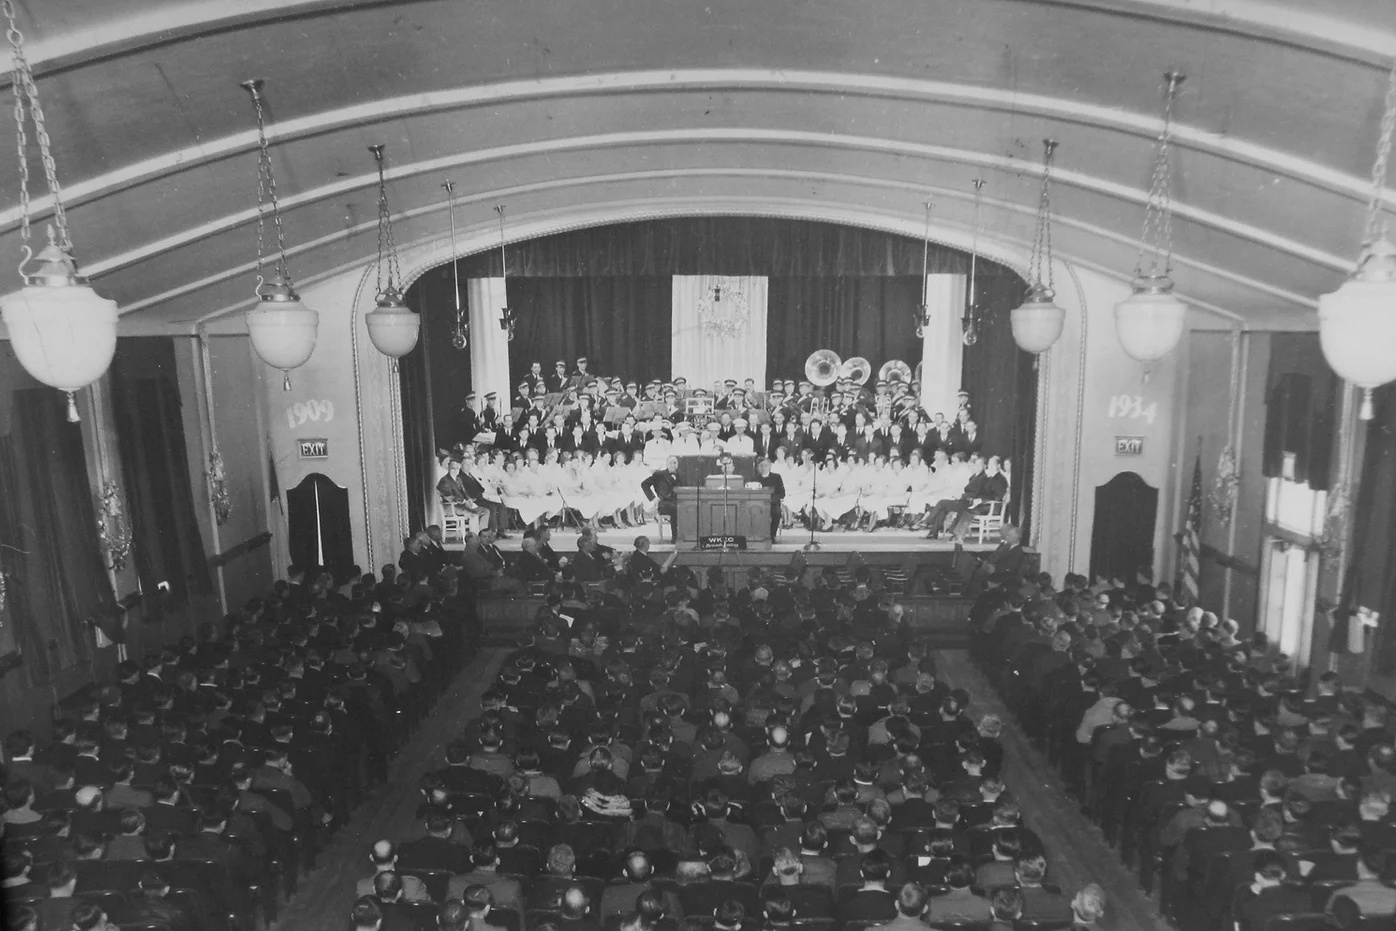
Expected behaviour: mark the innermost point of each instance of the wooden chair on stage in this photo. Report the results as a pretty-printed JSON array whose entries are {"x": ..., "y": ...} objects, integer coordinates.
[
  {"x": 455, "y": 525},
  {"x": 990, "y": 523}
]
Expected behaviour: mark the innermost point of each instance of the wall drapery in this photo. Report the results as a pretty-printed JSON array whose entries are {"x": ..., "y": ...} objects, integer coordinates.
[
  {"x": 166, "y": 544},
  {"x": 1371, "y": 580},
  {"x": 703, "y": 356},
  {"x": 54, "y": 573}
]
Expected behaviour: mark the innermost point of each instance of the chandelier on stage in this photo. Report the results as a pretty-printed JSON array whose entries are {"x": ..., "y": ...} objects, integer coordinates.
[
  {"x": 281, "y": 328},
  {"x": 969, "y": 334},
  {"x": 507, "y": 321},
  {"x": 62, "y": 331},
  {"x": 392, "y": 326},
  {"x": 923, "y": 313},
  {"x": 1037, "y": 323},
  {"x": 1150, "y": 321},
  {"x": 722, "y": 309},
  {"x": 1357, "y": 322},
  {"x": 460, "y": 329}
]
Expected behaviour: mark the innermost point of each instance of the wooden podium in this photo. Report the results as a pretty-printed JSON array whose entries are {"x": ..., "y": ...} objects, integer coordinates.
[{"x": 702, "y": 511}]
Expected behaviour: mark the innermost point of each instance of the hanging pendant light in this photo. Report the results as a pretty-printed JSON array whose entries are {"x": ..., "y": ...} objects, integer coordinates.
[
  {"x": 392, "y": 326},
  {"x": 506, "y": 316},
  {"x": 1357, "y": 322},
  {"x": 923, "y": 315},
  {"x": 1037, "y": 323},
  {"x": 62, "y": 331},
  {"x": 1150, "y": 321},
  {"x": 969, "y": 335},
  {"x": 460, "y": 332},
  {"x": 281, "y": 328}
]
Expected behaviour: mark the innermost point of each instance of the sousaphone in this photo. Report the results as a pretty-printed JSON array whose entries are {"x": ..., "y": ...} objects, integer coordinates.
[
  {"x": 857, "y": 370},
  {"x": 893, "y": 371},
  {"x": 822, "y": 367}
]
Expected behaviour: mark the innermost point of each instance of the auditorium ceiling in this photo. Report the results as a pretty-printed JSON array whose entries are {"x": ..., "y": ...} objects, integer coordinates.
[{"x": 586, "y": 111}]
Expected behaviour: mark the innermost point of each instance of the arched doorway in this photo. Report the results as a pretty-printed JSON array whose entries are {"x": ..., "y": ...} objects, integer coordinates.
[
  {"x": 320, "y": 535},
  {"x": 1122, "y": 533}
]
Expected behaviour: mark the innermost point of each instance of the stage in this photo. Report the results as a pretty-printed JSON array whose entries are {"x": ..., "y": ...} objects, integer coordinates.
[{"x": 834, "y": 547}]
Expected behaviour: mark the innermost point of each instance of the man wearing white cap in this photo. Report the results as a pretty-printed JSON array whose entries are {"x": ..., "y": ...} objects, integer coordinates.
[
  {"x": 710, "y": 443},
  {"x": 740, "y": 443}
]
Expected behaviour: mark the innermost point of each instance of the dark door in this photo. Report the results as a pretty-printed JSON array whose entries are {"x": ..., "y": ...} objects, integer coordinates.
[
  {"x": 1122, "y": 536},
  {"x": 318, "y": 514}
]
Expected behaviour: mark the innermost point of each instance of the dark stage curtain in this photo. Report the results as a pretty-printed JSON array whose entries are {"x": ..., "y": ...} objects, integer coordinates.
[
  {"x": 417, "y": 434},
  {"x": 872, "y": 317},
  {"x": 1002, "y": 383},
  {"x": 776, "y": 248},
  {"x": 1300, "y": 409},
  {"x": 1371, "y": 580},
  {"x": 622, "y": 325},
  {"x": 166, "y": 545},
  {"x": 447, "y": 368},
  {"x": 55, "y": 577}
]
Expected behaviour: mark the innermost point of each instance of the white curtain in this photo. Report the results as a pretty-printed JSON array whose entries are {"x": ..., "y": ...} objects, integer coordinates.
[
  {"x": 941, "y": 346},
  {"x": 489, "y": 345},
  {"x": 703, "y": 355}
]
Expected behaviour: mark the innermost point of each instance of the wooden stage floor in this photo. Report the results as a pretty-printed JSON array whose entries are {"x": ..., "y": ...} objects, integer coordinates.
[{"x": 881, "y": 541}]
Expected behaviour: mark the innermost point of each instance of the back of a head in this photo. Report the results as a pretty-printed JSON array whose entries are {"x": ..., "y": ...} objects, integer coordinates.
[
  {"x": 366, "y": 914},
  {"x": 1007, "y": 903},
  {"x": 960, "y": 873},
  {"x": 912, "y": 899},
  {"x": 1030, "y": 870},
  {"x": 477, "y": 899},
  {"x": 453, "y": 916}
]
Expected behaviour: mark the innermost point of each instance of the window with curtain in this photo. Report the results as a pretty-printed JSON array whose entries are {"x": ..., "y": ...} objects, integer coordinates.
[
  {"x": 56, "y": 580},
  {"x": 1294, "y": 515}
]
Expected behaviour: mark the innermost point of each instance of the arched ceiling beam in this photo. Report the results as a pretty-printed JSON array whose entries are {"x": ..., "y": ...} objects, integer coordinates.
[
  {"x": 1070, "y": 112},
  {"x": 166, "y": 23},
  {"x": 640, "y": 138}
]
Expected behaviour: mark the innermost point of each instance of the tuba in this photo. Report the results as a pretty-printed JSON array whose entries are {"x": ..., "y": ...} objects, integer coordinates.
[
  {"x": 822, "y": 367},
  {"x": 857, "y": 370},
  {"x": 893, "y": 371}
]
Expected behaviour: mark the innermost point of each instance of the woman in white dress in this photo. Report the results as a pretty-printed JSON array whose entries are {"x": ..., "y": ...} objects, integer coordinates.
[
  {"x": 580, "y": 491},
  {"x": 919, "y": 477},
  {"x": 834, "y": 494},
  {"x": 537, "y": 497},
  {"x": 797, "y": 485}
]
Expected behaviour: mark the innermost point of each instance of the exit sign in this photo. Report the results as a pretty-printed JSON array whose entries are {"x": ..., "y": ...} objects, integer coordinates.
[
  {"x": 1129, "y": 446},
  {"x": 317, "y": 448}
]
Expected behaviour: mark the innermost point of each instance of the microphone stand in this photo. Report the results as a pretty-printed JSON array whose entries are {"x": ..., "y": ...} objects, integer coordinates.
[{"x": 812, "y": 546}]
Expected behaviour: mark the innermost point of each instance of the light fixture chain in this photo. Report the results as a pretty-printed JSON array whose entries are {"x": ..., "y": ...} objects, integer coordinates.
[
  {"x": 23, "y": 76},
  {"x": 269, "y": 184},
  {"x": 1046, "y": 258},
  {"x": 1388, "y": 125},
  {"x": 382, "y": 217},
  {"x": 1157, "y": 237}
]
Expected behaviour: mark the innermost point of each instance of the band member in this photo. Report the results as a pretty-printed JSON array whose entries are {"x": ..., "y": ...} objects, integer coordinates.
[
  {"x": 662, "y": 488},
  {"x": 740, "y": 443},
  {"x": 489, "y": 417},
  {"x": 535, "y": 378},
  {"x": 523, "y": 399},
  {"x": 467, "y": 420},
  {"x": 557, "y": 381},
  {"x": 581, "y": 372},
  {"x": 818, "y": 439}
]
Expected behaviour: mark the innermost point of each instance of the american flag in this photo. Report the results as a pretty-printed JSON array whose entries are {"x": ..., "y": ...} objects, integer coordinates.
[{"x": 1190, "y": 564}]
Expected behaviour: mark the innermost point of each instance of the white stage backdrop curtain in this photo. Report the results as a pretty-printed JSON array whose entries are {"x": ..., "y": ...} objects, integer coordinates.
[
  {"x": 703, "y": 356},
  {"x": 941, "y": 348},
  {"x": 489, "y": 345}
]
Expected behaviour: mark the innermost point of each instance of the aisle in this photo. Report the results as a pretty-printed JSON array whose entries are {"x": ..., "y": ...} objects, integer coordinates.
[
  {"x": 323, "y": 901},
  {"x": 1077, "y": 853}
]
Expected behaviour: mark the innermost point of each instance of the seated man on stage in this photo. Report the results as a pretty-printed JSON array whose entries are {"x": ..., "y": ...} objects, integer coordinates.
[
  {"x": 462, "y": 494},
  {"x": 992, "y": 486},
  {"x": 946, "y": 506},
  {"x": 663, "y": 487}
]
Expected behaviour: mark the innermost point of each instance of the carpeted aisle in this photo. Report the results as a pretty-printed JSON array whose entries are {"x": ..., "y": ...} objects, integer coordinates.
[
  {"x": 1077, "y": 853},
  {"x": 322, "y": 903}
]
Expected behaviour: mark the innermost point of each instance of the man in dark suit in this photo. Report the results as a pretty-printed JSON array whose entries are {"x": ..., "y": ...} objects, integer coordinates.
[
  {"x": 531, "y": 566},
  {"x": 484, "y": 564},
  {"x": 535, "y": 378},
  {"x": 872, "y": 902},
  {"x": 985, "y": 487},
  {"x": 436, "y": 851},
  {"x": 557, "y": 381},
  {"x": 461, "y": 493},
  {"x": 663, "y": 485},
  {"x": 818, "y": 439},
  {"x": 776, "y": 485}
]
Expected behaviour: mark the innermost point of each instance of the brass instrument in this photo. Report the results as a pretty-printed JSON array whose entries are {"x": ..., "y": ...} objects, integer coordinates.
[
  {"x": 893, "y": 371},
  {"x": 920, "y": 368},
  {"x": 822, "y": 367},
  {"x": 857, "y": 370}
]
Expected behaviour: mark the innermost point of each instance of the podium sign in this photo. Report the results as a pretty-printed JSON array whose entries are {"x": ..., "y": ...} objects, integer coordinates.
[{"x": 731, "y": 541}]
